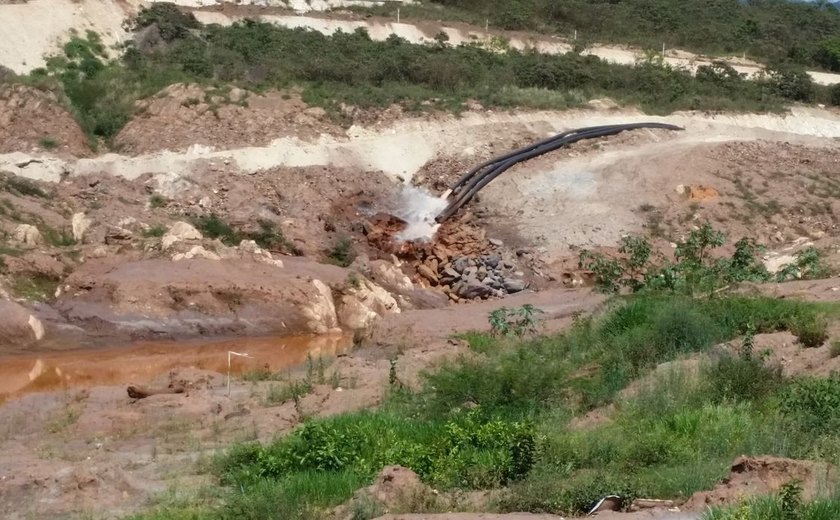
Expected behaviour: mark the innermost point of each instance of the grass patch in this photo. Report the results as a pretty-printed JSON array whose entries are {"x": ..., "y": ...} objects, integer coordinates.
[
  {"x": 294, "y": 390},
  {"x": 158, "y": 201},
  {"x": 342, "y": 253},
  {"x": 155, "y": 231},
  {"x": 37, "y": 287},
  {"x": 48, "y": 142},
  {"x": 23, "y": 187},
  {"x": 211, "y": 226},
  {"x": 57, "y": 237},
  {"x": 500, "y": 416}
]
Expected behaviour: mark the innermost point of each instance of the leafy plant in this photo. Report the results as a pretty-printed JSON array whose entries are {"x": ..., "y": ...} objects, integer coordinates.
[
  {"x": 808, "y": 266},
  {"x": 155, "y": 231},
  {"x": 157, "y": 201},
  {"x": 342, "y": 253},
  {"x": 22, "y": 186},
  {"x": 745, "y": 377},
  {"x": 811, "y": 333},
  {"x": 519, "y": 322},
  {"x": 48, "y": 142},
  {"x": 212, "y": 226},
  {"x": 636, "y": 268},
  {"x": 813, "y": 403}
]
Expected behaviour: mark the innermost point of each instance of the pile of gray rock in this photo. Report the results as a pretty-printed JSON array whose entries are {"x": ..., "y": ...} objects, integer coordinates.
[{"x": 468, "y": 278}]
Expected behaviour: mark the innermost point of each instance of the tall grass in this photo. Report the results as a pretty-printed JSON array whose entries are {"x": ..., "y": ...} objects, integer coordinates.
[{"x": 500, "y": 418}]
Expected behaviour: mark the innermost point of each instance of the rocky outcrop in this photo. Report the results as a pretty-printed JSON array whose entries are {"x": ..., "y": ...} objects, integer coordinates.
[
  {"x": 27, "y": 234},
  {"x": 80, "y": 224},
  {"x": 363, "y": 304},
  {"x": 179, "y": 232},
  {"x": 18, "y": 326},
  {"x": 201, "y": 293}
]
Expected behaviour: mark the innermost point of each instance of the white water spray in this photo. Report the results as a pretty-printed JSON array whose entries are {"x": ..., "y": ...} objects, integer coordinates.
[{"x": 419, "y": 208}]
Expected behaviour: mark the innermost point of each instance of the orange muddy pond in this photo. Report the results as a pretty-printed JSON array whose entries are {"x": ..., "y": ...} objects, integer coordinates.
[{"x": 140, "y": 362}]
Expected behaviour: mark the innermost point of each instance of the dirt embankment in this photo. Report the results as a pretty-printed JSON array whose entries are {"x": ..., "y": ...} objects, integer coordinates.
[
  {"x": 183, "y": 116},
  {"x": 33, "y": 120}
]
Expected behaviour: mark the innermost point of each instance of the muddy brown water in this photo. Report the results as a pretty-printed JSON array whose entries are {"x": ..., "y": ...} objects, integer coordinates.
[{"x": 140, "y": 362}]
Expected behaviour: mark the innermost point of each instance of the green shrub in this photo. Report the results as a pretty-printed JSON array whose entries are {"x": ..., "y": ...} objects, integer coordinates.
[
  {"x": 811, "y": 333},
  {"x": 745, "y": 377},
  {"x": 211, "y": 226},
  {"x": 155, "y": 231},
  {"x": 466, "y": 451},
  {"x": 171, "y": 22},
  {"x": 278, "y": 394},
  {"x": 695, "y": 270},
  {"x": 834, "y": 95},
  {"x": 813, "y": 403},
  {"x": 48, "y": 142},
  {"x": 22, "y": 186},
  {"x": 342, "y": 253},
  {"x": 157, "y": 201},
  {"x": 518, "y": 322}
]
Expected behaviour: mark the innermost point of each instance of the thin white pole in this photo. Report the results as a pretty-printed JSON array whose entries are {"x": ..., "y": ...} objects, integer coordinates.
[{"x": 398, "y": 15}]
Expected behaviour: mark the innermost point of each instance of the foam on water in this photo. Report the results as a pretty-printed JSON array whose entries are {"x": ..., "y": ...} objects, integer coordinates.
[{"x": 419, "y": 208}]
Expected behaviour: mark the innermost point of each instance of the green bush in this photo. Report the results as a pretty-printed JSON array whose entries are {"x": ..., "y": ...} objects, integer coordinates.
[
  {"x": 811, "y": 333},
  {"x": 834, "y": 93},
  {"x": 353, "y": 69},
  {"x": 342, "y": 253},
  {"x": 695, "y": 269},
  {"x": 745, "y": 377},
  {"x": 211, "y": 226},
  {"x": 813, "y": 403},
  {"x": 171, "y": 22}
]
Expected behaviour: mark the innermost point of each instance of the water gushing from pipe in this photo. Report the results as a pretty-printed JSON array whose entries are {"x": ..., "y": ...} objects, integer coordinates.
[{"x": 419, "y": 208}]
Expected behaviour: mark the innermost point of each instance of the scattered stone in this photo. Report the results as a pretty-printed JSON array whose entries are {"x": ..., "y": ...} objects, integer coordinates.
[
  {"x": 196, "y": 252},
  {"x": 178, "y": 232},
  {"x": 79, "y": 224},
  {"x": 496, "y": 242},
  {"x": 461, "y": 264},
  {"x": 99, "y": 252},
  {"x": 514, "y": 286},
  {"x": 427, "y": 273},
  {"x": 492, "y": 260},
  {"x": 473, "y": 288},
  {"x": 27, "y": 234},
  {"x": 117, "y": 235},
  {"x": 18, "y": 326}
]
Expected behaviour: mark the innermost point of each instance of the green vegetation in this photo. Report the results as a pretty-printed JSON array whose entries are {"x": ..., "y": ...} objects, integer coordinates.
[
  {"x": 267, "y": 236},
  {"x": 158, "y": 201},
  {"x": 342, "y": 253},
  {"x": 694, "y": 270},
  {"x": 278, "y": 394},
  {"x": 519, "y": 322},
  {"x": 21, "y": 186},
  {"x": 786, "y": 505},
  {"x": 37, "y": 287},
  {"x": 501, "y": 417},
  {"x": 48, "y": 142},
  {"x": 769, "y": 30},
  {"x": 155, "y": 231},
  {"x": 353, "y": 69}
]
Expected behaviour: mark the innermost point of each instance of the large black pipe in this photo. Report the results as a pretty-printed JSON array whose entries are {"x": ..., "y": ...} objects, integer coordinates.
[
  {"x": 476, "y": 179},
  {"x": 501, "y": 158}
]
